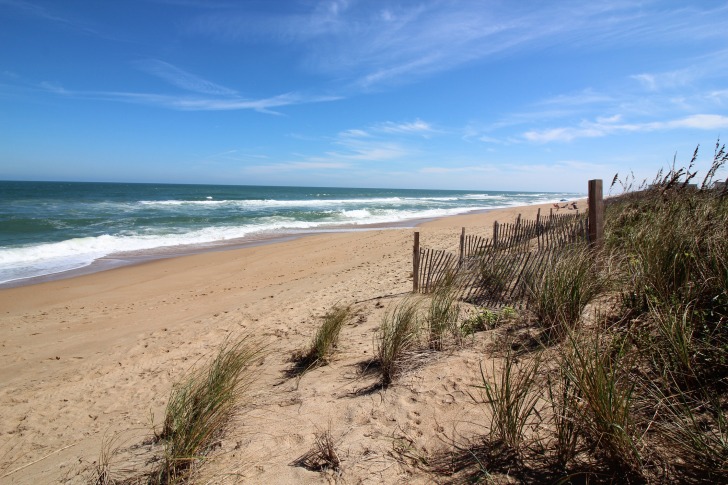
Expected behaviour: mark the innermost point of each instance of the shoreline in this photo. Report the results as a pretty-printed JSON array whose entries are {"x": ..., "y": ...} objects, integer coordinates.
[{"x": 120, "y": 260}]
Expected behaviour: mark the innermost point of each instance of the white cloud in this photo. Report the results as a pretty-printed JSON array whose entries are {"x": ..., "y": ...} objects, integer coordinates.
[
  {"x": 379, "y": 142},
  {"x": 466, "y": 169},
  {"x": 298, "y": 166},
  {"x": 700, "y": 121},
  {"x": 375, "y": 151},
  {"x": 606, "y": 126},
  {"x": 718, "y": 96},
  {"x": 354, "y": 134},
  {"x": 666, "y": 80},
  {"x": 415, "y": 127}
]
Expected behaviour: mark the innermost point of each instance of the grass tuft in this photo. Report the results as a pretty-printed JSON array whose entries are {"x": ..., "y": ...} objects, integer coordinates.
[
  {"x": 602, "y": 403},
  {"x": 201, "y": 406},
  {"x": 564, "y": 398},
  {"x": 324, "y": 341},
  {"x": 559, "y": 296},
  {"x": 398, "y": 339},
  {"x": 442, "y": 319},
  {"x": 511, "y": 398},
  {"x": 322, "y": 456}
]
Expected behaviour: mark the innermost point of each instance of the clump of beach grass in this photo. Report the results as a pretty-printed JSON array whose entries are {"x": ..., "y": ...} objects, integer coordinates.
[
  {"x": 510, "y": 393},
  {"x": 398, "y": 339},
  {"x": 443, "y": 317},
  {"x": 603, "y": 400},
  {"x": 558, "y": 296},
  {"x": 564, "y": 398},
  {"x": 200, "y": 407},
  {"x": 325, "y": 340}
]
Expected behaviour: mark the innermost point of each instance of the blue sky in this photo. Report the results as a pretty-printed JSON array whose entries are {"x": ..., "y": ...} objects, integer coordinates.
[{"x": 489, "y": 95}]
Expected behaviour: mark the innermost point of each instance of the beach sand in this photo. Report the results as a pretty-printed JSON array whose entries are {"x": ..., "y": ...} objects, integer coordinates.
[{"x": 92, "y": 358}]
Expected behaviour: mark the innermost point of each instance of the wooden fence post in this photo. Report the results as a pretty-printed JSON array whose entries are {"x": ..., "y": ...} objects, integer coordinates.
[
  {"x": 416, "y": 264},
  {"x": 462, "y": 247},
  {"x": 596, "y": 213},
  {"x": 495, "y": 234},
  {"x": 538, "y": 217}
]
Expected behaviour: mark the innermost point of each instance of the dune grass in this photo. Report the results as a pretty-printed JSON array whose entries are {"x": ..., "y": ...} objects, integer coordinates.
[
  {"x": 603, "y": 405},
  {"x": 398, "y": 339},
  {"x": 510, "y": 395},
  {"x": 324, "y": 341},
  {"x": 559, "y": 295},
  {"x": 442, "y": 321},
  {"x": 639, "y": 393},
  {"x": 200, "y": 407}
]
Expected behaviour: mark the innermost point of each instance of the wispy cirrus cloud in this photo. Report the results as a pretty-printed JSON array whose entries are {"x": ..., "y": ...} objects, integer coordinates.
[
  {"x": 48, "y": 14},
  {"x": 461, "y": 169},
  {"x": 192, "y": 102},
  {"x": 183, "y": 79},
  {"x": 298, "y": 166},
  {"x": 585, "y": 97},
  {"x": 381, "y": 141},
  {"x": 606, "y": 126},
  {"x": 207, "y": 95},
  {"x": 372, "y": 44},
  {"x": 384, "y": 142},
  {"x": 188, "y": 103},
  {"x": 655, "y": 82},
  {"x": 370, "y": 151},
  {"x": 417, "y": 127},
  {"x": 35, "y": 10}
]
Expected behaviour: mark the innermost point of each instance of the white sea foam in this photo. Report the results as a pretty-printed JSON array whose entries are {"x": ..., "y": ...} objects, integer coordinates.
[
  {"x": 275, "y": 203},
  {"x": 49, "y": 258}
]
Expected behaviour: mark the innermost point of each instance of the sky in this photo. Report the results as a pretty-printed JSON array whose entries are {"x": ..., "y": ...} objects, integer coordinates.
[{"x": 450, "y": 94}]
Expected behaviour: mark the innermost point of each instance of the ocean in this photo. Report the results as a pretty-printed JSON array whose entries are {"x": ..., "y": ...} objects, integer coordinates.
[{"x": 49, "y": 228}]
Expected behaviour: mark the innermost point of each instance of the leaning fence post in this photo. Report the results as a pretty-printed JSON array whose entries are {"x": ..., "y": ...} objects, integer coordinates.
[
  {"x": 596, "y": 213},
  {"x": 416, "y": 263},
  {"x": 462, "y": 247}
]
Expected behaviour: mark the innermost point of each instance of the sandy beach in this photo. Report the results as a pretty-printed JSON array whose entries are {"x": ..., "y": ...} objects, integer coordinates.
[{"x": 93, "y": 357}]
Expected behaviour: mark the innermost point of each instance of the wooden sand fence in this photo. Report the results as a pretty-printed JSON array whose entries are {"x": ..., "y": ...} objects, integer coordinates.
[{"x": 495, "y": 272}]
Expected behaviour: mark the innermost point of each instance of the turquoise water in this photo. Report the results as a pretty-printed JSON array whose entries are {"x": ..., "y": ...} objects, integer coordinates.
[{"x": 52, "y": 227}]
